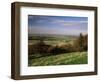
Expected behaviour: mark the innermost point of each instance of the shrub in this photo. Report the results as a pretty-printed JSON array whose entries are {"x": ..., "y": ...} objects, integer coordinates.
[
  {"x": 60, "y": 49},
  {"x": 38, "y": 48},
  {"x": 57, "y": 50},
  {"x": 30, "y": 49}
]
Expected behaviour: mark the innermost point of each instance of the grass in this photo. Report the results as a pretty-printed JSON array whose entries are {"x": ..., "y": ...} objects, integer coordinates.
[{"x": 61, "y": 59}]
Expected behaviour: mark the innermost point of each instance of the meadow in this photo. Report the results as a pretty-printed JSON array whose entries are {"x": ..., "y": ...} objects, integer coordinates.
[{"x": 61, "y": 59}]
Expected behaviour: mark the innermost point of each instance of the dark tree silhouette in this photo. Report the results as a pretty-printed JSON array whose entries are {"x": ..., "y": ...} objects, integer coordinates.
[{"x": 81, "y": 42}]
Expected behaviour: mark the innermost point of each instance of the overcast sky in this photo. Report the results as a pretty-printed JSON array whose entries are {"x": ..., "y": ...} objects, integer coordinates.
[{"x": 63, "y": 25}]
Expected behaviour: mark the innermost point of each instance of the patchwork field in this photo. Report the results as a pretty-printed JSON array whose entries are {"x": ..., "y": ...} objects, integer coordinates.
[{"x": 52, "y": 40}]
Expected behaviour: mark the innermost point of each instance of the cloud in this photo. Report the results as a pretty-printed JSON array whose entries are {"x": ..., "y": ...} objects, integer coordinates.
[
  {"x": 57, "y": 25},
  {"x": 61, "y": 21},
  {"x": 68, "y": 23},
  {"x": 74, "y": 23}
]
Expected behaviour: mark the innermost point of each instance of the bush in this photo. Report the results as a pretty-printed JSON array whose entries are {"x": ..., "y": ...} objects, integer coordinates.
[
  {"x": 57, "y": 50},
  {"x": 30, "y": 49},
  {"x": 38, "y": 48},
  {"x": 60, "y": 49}
]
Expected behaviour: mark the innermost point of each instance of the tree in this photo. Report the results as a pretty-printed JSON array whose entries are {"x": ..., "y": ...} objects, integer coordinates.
[{"x": 81, "y": 42}]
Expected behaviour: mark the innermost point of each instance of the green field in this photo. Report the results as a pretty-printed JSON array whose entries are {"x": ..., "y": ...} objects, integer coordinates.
[
  {"x": 53, "y": 40},
  {"x": 60, "y": 59}
]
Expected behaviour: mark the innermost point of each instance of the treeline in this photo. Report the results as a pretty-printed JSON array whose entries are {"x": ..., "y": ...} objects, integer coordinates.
[{"x": 80, "y": 44}]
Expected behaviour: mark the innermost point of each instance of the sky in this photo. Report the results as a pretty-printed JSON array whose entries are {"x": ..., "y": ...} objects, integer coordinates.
[{"x": 59, "y": 25}]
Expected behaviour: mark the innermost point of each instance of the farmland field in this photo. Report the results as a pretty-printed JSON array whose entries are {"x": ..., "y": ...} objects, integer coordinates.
[
  {"x": 55, "y": 50},
  {"x": 61, "y": 59},
  {"x": 52, "y": 39}
]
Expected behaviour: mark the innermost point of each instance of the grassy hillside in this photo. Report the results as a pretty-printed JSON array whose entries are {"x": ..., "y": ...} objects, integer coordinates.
[{"x": 62, "y": 59}]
